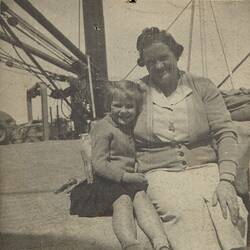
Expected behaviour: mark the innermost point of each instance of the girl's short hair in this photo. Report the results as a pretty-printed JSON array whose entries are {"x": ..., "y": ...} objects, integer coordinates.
[
  {"x": 153, "y": 34},
  {"x": 128, "y": 89}
]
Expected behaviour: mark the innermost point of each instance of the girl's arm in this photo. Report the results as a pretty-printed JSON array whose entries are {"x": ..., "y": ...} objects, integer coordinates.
[{"x": 101, "y": 137}]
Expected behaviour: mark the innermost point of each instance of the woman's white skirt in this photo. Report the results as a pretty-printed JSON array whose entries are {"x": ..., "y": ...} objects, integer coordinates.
[{"x": 183, "y": 200}]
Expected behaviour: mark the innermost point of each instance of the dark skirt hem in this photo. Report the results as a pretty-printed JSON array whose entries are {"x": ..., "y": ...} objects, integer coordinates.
[{"x": 96, "y": 199}]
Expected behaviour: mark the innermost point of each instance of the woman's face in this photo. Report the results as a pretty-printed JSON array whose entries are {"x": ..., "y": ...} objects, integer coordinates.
[{"x": 161, "y": 64}]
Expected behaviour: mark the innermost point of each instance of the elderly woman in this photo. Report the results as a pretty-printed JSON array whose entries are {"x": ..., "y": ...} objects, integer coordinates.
[{"x": 187, "y": 146}]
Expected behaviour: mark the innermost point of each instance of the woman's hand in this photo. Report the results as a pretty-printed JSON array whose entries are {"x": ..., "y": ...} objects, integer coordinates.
[
  {"x": 226, "y": 195},
  {"x": 138, "y": 178}
]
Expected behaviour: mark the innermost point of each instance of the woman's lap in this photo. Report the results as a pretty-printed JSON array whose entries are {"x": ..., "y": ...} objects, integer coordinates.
[{"x": 183, "y": 200}]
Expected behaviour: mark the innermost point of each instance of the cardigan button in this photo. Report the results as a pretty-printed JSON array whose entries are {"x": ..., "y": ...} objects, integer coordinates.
[
  {"x": 184, "y": 163},
  {"x": 181, "y": 153}
]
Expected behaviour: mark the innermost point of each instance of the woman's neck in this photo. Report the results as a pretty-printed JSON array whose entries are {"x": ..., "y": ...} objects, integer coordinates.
[{"x": 168, "y": 88}]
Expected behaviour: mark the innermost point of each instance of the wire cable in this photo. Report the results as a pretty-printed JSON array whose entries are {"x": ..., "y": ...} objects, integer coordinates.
[
  {"x": 167, "y": 29},
  {"x": 42, "y": 45},
  {"x": 79, "y": 24},
  {"x": 19, "y": 65},
  {"x": 130, "y": 72},
  {"x": 25, "y": 63},
  {"x": 201, "y": 38},
  {"x": 222, "y": 46},
  {"x": 180, "y": 13},
  {"x": 40, "y": 35},
  {"x": 205, "y": 37},
  {"x": 62, "y": 111}
]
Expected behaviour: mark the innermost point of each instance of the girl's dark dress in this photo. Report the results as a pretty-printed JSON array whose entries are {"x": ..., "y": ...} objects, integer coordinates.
[{"x": 113, "y": 154}]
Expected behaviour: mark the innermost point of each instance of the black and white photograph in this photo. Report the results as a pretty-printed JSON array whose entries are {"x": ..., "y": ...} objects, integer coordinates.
[{"x": 124, "y": 125}]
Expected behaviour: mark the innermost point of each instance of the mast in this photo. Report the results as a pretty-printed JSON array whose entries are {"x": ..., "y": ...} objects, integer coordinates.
[{"x": 95, "y": 45}]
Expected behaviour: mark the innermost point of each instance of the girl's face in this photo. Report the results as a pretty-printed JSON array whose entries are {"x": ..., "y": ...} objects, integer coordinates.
[
  {"x": 161, "y": 64},
  {"x": 123, "y": 111}
]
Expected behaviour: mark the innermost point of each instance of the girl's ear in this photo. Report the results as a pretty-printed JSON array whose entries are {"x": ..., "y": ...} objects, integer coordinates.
[{"x": 140, "y": 62}]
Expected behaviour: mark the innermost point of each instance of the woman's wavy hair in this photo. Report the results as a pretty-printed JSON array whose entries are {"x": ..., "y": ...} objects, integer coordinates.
[
  {"x": 153, "y": 34},
  {"x": 125, "y": 88}
]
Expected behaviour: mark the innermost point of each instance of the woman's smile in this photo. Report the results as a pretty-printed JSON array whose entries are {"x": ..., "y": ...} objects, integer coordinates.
[{"x": 161, "y": 64}]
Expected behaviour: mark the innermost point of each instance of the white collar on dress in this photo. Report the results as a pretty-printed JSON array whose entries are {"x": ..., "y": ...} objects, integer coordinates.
[{"x": 181, "y": 92}]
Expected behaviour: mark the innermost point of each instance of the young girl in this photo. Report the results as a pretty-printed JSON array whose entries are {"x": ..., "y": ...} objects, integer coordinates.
[{"x": 117, "y": 187}]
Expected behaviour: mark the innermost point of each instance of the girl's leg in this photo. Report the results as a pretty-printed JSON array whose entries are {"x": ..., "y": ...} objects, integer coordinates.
[
  {"x": 123, "y": 222},
  {"x": 149, "y": 221}
]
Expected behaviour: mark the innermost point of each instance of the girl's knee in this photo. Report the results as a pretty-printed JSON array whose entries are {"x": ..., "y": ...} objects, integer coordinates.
[
  {"x": 123, "y": 201},
  {"x": 141, "y": 194}
]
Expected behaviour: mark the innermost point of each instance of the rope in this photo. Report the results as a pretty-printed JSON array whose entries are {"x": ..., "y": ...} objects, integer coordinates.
[
  {"x": 6, "y": 29},
  {"x": 234, "y": 69},
  {"x": 39, "y": 35},
  {"x": 62, "y": 111},
  {"x": 191, "y": 35},
  {"x": 222, "y": 46},
  {"x": 42, "y": 45},
  {"x": 79, "y": 24},
  {"x": 25, "y": 63},
  {"x": 201, "y": 38},
  {"x": 5, "y": 52},
  {"x": 18, "y": 64},
  {"x": 167, "y": 29},
  {"x": 130, "y": 72},
  {"x": 205, "y": 37},
  {"x": 14, "y": 71},
  {"x": 177, "y": 17}
]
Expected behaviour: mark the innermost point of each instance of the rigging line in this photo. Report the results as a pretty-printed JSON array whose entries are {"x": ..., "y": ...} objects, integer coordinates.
[
  {"x": 5, "y": 57},
  {"x": 222, "y": 46},
  {"x": 62, "y": 57},
  {"x": 30, "y": 70},
  {"x": 6, "y": 53},
  {"x": 12, "y": 59},
  {"x": 167, "y": 29},
  {"x": 19, "y": 63},
  {"x": 79, "y": 23},
  {"x": 18, "y": 66},
  {"x": 42, "y": 45},
  {"x": 14, "y": 71},
  {"x": 63, "y": 113},
  {"x": 177, "y": 17},
  {"x": 205, "y": 37},
  {"x": 5, "y": 25},
  {"x": 234, "y": 69},
  {"x": 191, "y": 35},
  {"x": 56, "y": 50},
  {"x": 39, "y": 34},
  {"x": 22, "y": 73},
  {"x": 201, "y": 39},
  {"x": 124, "y": 78}
]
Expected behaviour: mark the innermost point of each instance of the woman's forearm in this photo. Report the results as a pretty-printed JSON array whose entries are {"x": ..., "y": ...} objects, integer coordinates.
[{"x": 228, "y": 156}]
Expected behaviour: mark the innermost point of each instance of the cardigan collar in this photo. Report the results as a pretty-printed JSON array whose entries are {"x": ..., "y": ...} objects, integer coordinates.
[{"x": 125, "y": 129}]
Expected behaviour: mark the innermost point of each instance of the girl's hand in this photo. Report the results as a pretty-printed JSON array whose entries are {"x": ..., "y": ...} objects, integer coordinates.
[
  {"x": 226, "y": 195},
  {"x": 138, "y": 178}
]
